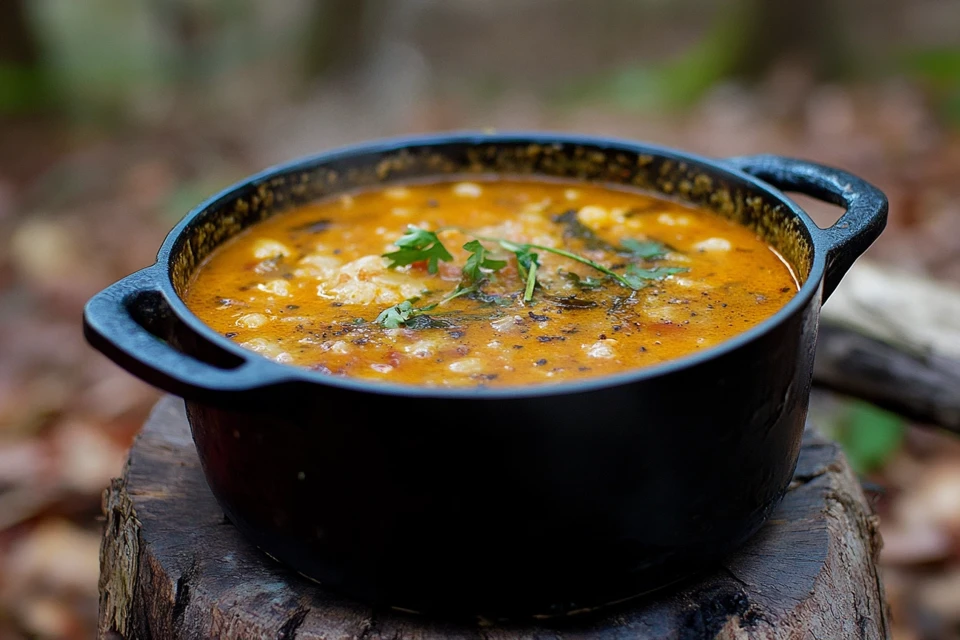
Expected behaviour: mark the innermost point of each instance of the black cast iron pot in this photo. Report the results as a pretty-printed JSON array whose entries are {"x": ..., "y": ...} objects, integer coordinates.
[{"x": 502, "y": 502}]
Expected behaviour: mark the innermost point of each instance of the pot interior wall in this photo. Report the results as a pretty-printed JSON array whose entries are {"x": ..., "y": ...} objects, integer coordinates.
[{"x": 658, "y": 174}]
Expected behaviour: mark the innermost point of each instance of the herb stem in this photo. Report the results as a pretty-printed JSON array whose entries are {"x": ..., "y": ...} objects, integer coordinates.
[
  {"x": 456, "y": 294},
  {"x": 513, "y": 246},
  {"x": 531, "y": 282},
  {"x": 587, "y": 261}
]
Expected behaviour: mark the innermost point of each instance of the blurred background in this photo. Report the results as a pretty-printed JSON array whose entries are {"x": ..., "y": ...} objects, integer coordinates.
[{"x": 117, "y": 116}]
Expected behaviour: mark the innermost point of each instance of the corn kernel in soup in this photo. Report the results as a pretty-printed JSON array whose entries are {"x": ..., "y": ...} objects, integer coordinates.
[{"x": 488, "y": 283}]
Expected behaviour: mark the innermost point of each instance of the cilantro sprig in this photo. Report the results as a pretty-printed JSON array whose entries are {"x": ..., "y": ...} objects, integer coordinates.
[
  {"x": 639, "y": 277},
  {"x": 478, "y": 260},
  {"x": 527, "y": 264},
  {"x": 400, "y": 314},
  {"x": 644, "y": 249},
  {"x": 473, "y": 274},
  {"x": 426, "y": 243},
  {"x": 418, "y": 245},
  {"x": 587, "y": 283},
  {"x": 633, "y": 281}
]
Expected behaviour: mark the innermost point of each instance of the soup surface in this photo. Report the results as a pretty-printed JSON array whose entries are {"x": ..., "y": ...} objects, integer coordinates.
[{"x": 488, "y": 283}]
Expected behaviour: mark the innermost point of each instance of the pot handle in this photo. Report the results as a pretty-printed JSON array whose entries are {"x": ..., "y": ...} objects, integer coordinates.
[
  {"x": 861, "y": 223},
  {"x": 111, "y": 325}
]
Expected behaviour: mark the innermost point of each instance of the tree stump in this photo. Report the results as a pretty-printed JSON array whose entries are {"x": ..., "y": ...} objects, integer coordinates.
[{"x": 173, "y": 567}]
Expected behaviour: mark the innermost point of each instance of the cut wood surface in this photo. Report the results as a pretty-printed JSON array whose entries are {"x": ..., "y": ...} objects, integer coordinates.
[
  {"x": 172, "y": 567},
  {"x": 893, "y": 339}
]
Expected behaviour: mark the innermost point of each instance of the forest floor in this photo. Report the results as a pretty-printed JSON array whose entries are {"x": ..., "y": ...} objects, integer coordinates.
[{"x": 78, "y": 211}]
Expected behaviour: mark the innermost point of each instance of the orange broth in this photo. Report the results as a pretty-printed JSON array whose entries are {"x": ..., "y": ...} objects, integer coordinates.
[{"x": 307, "y": 287}]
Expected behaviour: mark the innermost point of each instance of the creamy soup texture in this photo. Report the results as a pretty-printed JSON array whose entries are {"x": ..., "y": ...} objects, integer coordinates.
[{"x": 488, "y": 283}]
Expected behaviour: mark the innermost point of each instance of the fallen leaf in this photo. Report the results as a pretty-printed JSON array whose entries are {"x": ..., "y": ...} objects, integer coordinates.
[
  {"x": 87, "y": 457},
  {"x": 23, "y": 461},
  {"x": 917, "y": 545},
  {"x": 941, "y": 595},
  {"x": 934, "y": 498},
  {"x": 56, "y": 557},
  {"x": 43, "y": 250},
  {"x": 47, "y": 617}
]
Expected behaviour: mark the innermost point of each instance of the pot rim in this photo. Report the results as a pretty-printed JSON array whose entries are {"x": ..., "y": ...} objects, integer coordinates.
[{"x": 275, "y": 373}]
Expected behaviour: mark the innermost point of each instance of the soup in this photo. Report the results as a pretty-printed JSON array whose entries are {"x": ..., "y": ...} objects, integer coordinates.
[{"x": 488, "y": 283}]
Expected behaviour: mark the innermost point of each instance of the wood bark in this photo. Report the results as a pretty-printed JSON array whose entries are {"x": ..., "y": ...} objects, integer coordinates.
[
  {"x": 893, "y": 339},
  {"x": 172, "y": 567}
]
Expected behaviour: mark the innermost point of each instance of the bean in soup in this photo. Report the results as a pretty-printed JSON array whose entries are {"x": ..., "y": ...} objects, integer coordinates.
[{"x": 488, "y": 283}]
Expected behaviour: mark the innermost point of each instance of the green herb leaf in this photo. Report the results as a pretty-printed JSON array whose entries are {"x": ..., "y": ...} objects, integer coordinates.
[
  {"x": 417, "y": 245},
  {"x": 584, "y": 284},
  {"x": 635, "y": 278},
  {"x": 531, "y": 279},
  {"x": 527, "y": 260},
  {"x": 400, "y": 314},
  {"x": 478, "y": 260},
  {"x": 644, "y": 249},
  {"x": 638, "y": 278},
  {"x": 527, "y": 264},
  {"x": 461, "y": 290},
  {"x": 396, "y": 316}
]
